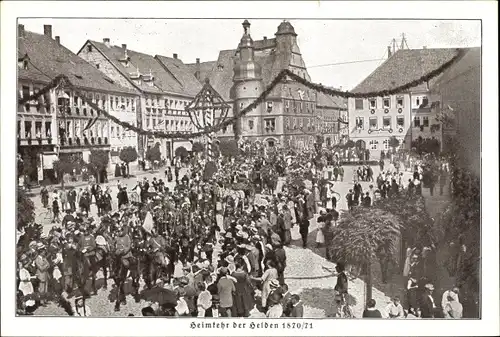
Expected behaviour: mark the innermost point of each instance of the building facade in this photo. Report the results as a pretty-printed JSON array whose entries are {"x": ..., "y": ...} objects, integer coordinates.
[
  {"x": 459, "y": 93},
  {"x": 289, "y": 116},
  {"x": 165, "y": 86},
  {"x": 60, "y": 124},
  {"x": 409, "y": 115}
]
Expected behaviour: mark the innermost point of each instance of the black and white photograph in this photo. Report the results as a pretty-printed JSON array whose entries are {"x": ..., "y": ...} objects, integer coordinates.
[{"x": 271, "y": 170}]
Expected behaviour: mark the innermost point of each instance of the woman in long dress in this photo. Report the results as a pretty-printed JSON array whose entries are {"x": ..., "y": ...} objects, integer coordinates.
[
  {"x": 271, "y": 273},
  {"x": 25, "y": 285},
  {"x": 243, "y": 298}
]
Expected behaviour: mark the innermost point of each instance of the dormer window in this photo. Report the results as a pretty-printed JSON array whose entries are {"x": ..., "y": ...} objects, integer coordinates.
[{"x": 25, "y": 64}]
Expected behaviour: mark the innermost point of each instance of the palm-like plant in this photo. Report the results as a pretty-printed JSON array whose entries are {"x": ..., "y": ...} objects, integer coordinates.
[{"x": 361, "y": 234}]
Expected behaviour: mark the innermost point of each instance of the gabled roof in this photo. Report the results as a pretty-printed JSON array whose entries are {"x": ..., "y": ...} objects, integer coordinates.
[
  {"x": 325, "y": 100},
  {"x": 471, "y": 61},
  {"x": 49, "y": 59},
  {"x": 221, "y": 77},
  {"x": 182, "y": 74},
  {"x": 205, "y": 69},
  {"x": 404, "y": 66},
  {"x": 170, "y": 75}
]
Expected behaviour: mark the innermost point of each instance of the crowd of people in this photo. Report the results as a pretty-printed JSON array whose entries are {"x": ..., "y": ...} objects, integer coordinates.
[{"x": 215, "y": 241}]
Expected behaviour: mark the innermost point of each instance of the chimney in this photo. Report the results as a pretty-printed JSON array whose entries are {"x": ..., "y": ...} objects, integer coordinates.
[
  {"x": 340, "y": 88},
  {"x": 265, "y": 38},
  {"x": 58, "y": 40},
  {"x": 389, "y": 52},
  {"x": 47, "y": 30},
  {"x": 20, "y": 30},
  {"x": 106, "y": 42},
  {"x": 124, "y": 46},
  {"x": 175, "y": 56},
  {"x": 197, "y": 72}
]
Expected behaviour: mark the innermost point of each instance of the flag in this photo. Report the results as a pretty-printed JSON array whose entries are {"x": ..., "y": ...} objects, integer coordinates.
[
  {"x": 90, "y": 123},
  {"x": 148, "y": 222}
]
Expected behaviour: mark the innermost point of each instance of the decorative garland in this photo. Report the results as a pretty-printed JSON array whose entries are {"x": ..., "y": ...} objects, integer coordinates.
[{"x": 64, "y": 81}]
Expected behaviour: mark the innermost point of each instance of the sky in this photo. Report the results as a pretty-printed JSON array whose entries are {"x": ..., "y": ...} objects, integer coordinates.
[{"x": 321, "y": 42}]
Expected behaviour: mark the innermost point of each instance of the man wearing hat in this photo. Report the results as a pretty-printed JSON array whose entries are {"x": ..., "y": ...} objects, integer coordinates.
[
  {"x": 67, "y": 218},
  {"x": 42, "y": 266},
  {"x": 123, "y": 247},
  {"x": 214, "y": 310},
  {"x": 427, "y": 305},
  {"x": 226, "y": 290}
]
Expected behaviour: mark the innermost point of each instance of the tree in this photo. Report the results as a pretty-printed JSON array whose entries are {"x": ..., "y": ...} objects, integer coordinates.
[
  {"x": 198, "y": 147},
  {"x": 65, "y": 166},
  {"x": 416, "y": 224},
  {"x": 128, "y": 155},
  {"x": 394, "y": 143},
  {"x": 98, "y": 161},
  {"x": 229, "y": 148},
  {"x": 350, "y": 144},
  {"x": 25, "y": 209},
  {"x": 360, "y": 235},
  {"x": 181, "y": 152},
  {"x": 153, "y": 153}
]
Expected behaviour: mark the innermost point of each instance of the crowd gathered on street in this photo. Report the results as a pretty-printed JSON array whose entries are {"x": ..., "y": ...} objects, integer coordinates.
[{"x": 214, "y": 245}]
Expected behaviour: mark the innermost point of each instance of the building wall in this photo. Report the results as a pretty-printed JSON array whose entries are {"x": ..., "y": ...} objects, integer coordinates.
[
  {"x": 125, "y": 108},
  {"x": 376, "y": 138},
  {"x": 98, "y": 60},
  {"x": 36, "y": 129},
  {"x": 460, "y": 89},
  {"x": 424, "y": 118}
]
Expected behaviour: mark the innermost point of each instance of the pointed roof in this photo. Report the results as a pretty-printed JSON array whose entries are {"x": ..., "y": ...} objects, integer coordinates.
[
  {"x": 182, "y": 74},
  {"x": 48, "y": 59},
  {"x": 168, "y": 76},
  {"x": 404, "y": 66}
]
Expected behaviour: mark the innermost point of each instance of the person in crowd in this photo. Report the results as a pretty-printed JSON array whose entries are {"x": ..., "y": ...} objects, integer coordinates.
[
  {"x": 297, "y": 310},
  {"x": 44, "y": 193},
  {"x": 275, "y": 308},
  {"x": 450, "y": 292},
  {"x": 395, "y": 309},
  {"x": 226, "y": 290},
  {"x": 81, "y": 309},
  {"x": 453, "y": 309},
  {"x": 371, "y": 311},
  {"x": 427, "y": 305}
]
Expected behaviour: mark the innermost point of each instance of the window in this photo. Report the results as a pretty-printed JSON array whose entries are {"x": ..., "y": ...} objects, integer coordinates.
[
  {"x": 387, "y": 103},
  {"x": 270, "y": 124},
  {"x": 112, "y": 131},
  {"x": 26, "y": 91},
  {"x": 269, "y": 106},
  {"x": 294, "y": 107},
  {"x": 147, "y": 122},
  {"x": 373, "y": 123},
  {"x": 25, "y": 64},
  {"x": 373, "y": 144},
  {"x": 400, "y": 120},
  {"x": 358, "y": 103},
  {"x": 373, "y": 103},
  {"x": 97, "y": 65},
  {"x": 426, "y": 121},
  {"x": 27, "y": 129},
  {"x": 111, "y": 102},
  {"x": 425, "y": 101},
  {"x": 387, "y": 122},
  {"x": 89, "y": 48},
  {"x": 386, "y": 144},
  {"x": 399, "y": 102},
  {"x": 416, "y": 122},
  {"x": 38, "y": 129},
  {"x": 48, "y": 126},
  {"x": 287, "y": 106},
  {"x": 360, "y": 124},
  {"x": 250, "y": 125}
]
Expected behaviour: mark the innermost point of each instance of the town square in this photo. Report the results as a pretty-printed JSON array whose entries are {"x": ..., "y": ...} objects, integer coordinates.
[{"x": 255, "y": 184}]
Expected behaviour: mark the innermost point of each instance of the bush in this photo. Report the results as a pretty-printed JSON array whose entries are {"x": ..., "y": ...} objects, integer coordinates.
[
  {"x": 25, "y": 209},
  {"x": 153, "y": 153},
  {"x": 229, "y": 148},
  {"x": 181, "y": 152},
  {"x": 198, "y": 147}
]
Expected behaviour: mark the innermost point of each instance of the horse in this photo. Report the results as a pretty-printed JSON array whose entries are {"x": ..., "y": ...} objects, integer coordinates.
[
  {"x": 121, "y": 273},
  {"x": 88, "y": 266}
]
